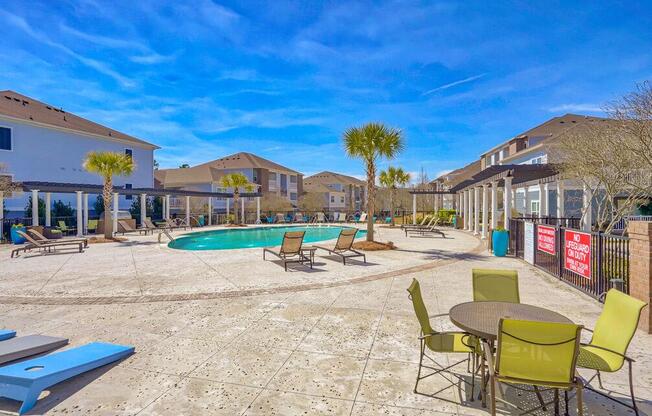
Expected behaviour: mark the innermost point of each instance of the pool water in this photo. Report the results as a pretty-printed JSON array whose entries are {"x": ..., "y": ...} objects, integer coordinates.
[{"x": 253, "y": 237}]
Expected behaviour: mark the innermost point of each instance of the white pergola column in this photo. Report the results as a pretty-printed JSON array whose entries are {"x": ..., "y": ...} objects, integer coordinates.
[
  {"x": 458, "y": 205},
  {"x": 560, "y": 199},
  {"x": 187, "y": 210},
  {"x": 242, "y": 212},
  {"x": 143, "y": 209},
  {"x": 469, "y": 209},
  {"x": 34, "y": 207},
  {"x": 48, "y": 210},
  {"x": 85, "y": 213},
  {"x": 476, "y": 210},
  {"x": 494, "y": 205},
  {"x": 257, "y": 210},
  {"x": 485, "y": 210},
  {"x": 227, "y": 207},
  {"x": 80, "y": 214},
  {"x": 587, "y": 209},
  {"x": 414, "y": 208},
  {"x": 116, "y": 207},
  {"x": 210, "y": 211},
  {"x": 167, "y": 207},
  {"x": 544, "y": 205},
  {"x": 507, "y": 201}
]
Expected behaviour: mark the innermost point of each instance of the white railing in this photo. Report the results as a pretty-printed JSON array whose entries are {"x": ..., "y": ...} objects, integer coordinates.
[{"x": 622, "y": 224}]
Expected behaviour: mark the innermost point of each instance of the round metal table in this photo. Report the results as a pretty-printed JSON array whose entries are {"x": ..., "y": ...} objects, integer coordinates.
[{"x": 482, "y": 318}]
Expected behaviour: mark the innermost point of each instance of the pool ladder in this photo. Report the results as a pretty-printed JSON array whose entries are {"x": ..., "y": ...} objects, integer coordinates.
[{"x": 167, "y": 234}]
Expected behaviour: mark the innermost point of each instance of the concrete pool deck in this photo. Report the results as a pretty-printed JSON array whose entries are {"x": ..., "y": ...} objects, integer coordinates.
[{"x": 346, "y": 349}]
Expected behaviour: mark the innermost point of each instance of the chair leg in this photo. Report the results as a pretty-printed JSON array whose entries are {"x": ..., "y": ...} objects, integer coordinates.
[
  {"x": 422, "y": 346},
  {"x": 538, "y": 393},
  {"x": 566, "y": 403},
  {"x": 556, "y": 402},
  {"x": 493, "y": 395},
  {"x": 631, "y": 389},
  {"x": 580, "y": 404},
  {"x": 473, "y": 359},
  {"x": 599, "y": 379}
]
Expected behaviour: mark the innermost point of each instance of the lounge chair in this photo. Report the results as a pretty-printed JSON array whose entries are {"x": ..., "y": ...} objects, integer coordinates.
[
  {"x": 341, "y": 217},
  {"x": 363, "y": 217},
  {"x": 280, "y": 218},
  {"x": 33, "y": 244},
  {"x": 344, "y": 245},
  {"x": 64, "y": 228},
  {"x": 290, "y": 251},
  {"x": 149, "y": 224},
  {"x": 174, "y": 224},
  {"x": 6, "y": 334},
  {"x": 426, "y": 231},
  {"x": 24, "y": 381},
  {"x": 20, "y": 347},
  {"x": 320, "y": 218},
  {"x": 43, "y": 239},
  {"x": 421, "y": 224},
  {"x": 298, "y": 217},
  {"x": 127, "y": 228}
]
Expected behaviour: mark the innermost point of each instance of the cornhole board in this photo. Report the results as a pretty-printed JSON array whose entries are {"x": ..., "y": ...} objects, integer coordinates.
[
  {"x": 24, "y": 381},
  {"x": 21, "y": 347},
  {"x": 6, "y": 334}
]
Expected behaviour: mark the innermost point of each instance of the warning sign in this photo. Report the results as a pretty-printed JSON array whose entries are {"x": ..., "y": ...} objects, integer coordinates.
[
  {"x": 546, "y": 239},
  {"x": 577, "y": 252}
]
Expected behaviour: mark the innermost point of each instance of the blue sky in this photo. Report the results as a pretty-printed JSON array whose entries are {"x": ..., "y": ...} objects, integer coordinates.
[{"x": 204, "y": 79}]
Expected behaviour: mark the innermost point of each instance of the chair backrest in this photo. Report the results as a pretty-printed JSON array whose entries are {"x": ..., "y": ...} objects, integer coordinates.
[
  {"x": 28, "y": 238},
  {"x": 125, "y": 225},
  {"x": 36, "y": 234},
  {"x": 149, "y": 223},
  {"x": 424, "y": 219},
  {"x": 363, "y": 217},
  {"x": 92, "y": 224},
  {"x": 321, "y": 217},
  {"x": 62, "y": 225},
  {"x": 419, "y": 307},
  {"x": 544, "y": 352},
  {"x": 342, "y": 217},
  {"x": 493, "y": 285},
  {"x": 345, "y": 239},
  {"x": 617, "y": 323},
  {"x": 292, "y": 241},
  {"x": 280, "y": 217}
]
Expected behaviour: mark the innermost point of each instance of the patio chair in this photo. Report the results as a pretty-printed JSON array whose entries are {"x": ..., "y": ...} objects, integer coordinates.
[
  {"x": 613, "y": 332},
  {"x": 45, "y": 247},
  {"x": 540, "y": 354},
  {"x": 298, "y": 217},
  {"x": 344, "y": 245},
  {"x": 64, "y": 228},
  {"x": 426, "y": 218},
  {"x": 430, "y": 230},
  {"x": 341, "y": 217},
  {"x": 149, "y": 224},
  {"x": 440, "y": 342},
  {"x": 43, "y": 239},
  {"x": 290, "y": 250},
  {"x": 127, "y": 228},
  {"x": 280, "y": 218},
  {"x": 92, "y": 226},
  {"x": 362, "y": 218},
  {"x": 175, "y": 225},
  {"x": 320, "y": 217},
  {"x": 24, "y": 381},
  {"x": 20, "y": 347},
  {"x": 494, "y": 285}
]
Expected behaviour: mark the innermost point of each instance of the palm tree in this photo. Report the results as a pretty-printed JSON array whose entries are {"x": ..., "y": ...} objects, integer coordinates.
[
  {"x": 108, "y": 165},
  {"x": 236, "y": 181},
  {"x": 369, "y": 143},
  {"x": 392, "y": 178}
]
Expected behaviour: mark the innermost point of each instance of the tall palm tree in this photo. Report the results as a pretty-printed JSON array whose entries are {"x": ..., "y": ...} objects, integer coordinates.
[
  {"x": 371, "y": 142},
  {"x": 392, "y": 178},
  {"x": 108, "y": 165},
  {"x": 236, "y": 181}
]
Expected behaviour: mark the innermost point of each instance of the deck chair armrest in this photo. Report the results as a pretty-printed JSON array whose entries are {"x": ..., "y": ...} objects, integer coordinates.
[
  {"x": 608, "y": 350},
  {"x": 438, "y": 315},
  {"x": 489, "y": 357}
]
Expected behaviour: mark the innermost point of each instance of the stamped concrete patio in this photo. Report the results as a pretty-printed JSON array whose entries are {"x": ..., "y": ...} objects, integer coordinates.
[{"x": 225, "y": 333}]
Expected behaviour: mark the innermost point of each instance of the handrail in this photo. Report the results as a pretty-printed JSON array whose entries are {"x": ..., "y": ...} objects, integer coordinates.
[{"x": 167, "y": 234}]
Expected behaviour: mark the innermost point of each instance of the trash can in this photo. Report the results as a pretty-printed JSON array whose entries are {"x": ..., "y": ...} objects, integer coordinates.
[{"x": 500, "y": 242}]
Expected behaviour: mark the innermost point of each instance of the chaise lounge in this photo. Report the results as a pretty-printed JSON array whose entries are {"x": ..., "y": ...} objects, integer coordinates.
[
  {"x": 20, "y": 347},
  {"x": 432, "y": 229},
  {"x": 43, "y": 239},
  {"x": 127, "y": 228},
  {"x": 344, "y": 245},
  {"x": 46, "y": 247},
  {"x": 291, "y": 250}
]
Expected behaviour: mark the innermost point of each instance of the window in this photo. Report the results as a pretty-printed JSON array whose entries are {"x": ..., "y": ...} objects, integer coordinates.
[
  {"x": 128, "y": 197},
  {"x": 333, "y": 198},
  {"x": 293, "y": 196},
  {"x": 342, "y": 199},
  {"x": 293, "y": 179},
  {"x": 129, "y": 152},
  {"x": 5, "y": 138}
]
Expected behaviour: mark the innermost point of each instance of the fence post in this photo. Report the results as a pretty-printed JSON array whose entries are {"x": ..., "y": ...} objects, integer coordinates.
[
  {"x": 561, "y": 251},
  {"x": 640, "y": 268},
  {"x": 599, "y": 269}
]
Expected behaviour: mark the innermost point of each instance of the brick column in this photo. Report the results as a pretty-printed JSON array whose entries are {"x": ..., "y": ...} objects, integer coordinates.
[{"x": 640, "y": 268}]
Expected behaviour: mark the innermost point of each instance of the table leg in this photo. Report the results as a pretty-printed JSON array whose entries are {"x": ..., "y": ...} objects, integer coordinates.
[{"x": 483, "y": 383}]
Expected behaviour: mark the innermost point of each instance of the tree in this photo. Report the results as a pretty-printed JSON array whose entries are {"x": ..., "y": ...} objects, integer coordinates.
[
  {"x": 184, "y": 166},
  {"x": 156, "y": 165},
  {"x": 236, "y": 181},
  {"x": 60, "y": 209},
  {"x": 392, "y": 178},
  {"x": 98, "y": 205},
  {"x": 41, "y": 208},
  {"x": 134, "y": 209},
  {"x": 371, "y": 142},
  {"x": 274, "y": 203},
  {"x": 312, "y": 201},
  {"x": 108, "y": 165}
]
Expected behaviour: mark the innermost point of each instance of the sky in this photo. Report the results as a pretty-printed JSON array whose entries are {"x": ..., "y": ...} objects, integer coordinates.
[{"x": 284, "y": 79}]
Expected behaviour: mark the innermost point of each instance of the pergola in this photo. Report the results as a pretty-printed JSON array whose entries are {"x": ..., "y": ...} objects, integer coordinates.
[
  {"x": 433, "y": 191},
  {"x": 83, "y": 190},
  {"x": 484, "y": 185}
]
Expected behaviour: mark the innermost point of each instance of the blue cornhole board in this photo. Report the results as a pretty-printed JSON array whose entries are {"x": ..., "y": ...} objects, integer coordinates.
[
  {"x": 24, "y": 381},
  {"x": 6, "y": 334}
]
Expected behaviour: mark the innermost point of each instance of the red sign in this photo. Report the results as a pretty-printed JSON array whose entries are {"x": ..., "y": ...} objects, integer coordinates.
[
  {"x": 577, "y": 250},
  {"x": 546, "y": 239}
]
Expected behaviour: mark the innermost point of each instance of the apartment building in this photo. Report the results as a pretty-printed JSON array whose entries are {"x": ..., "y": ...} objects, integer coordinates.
[{"x": 341, "y": 192}]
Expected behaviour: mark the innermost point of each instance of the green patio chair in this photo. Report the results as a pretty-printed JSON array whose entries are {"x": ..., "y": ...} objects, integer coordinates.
[
  {"x": 441, "y": 342},
  {"x": 541, "y": 354},
  {"x": 64, "y": 228},
  {"x": 494, "y": 285},
  {"x": 612, "y": 334},
  {"x": 92, "y": 225}
]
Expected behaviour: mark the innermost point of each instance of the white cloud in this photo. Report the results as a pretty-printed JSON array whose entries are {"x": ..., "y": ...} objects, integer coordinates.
[{"x": 591, "y": 108}]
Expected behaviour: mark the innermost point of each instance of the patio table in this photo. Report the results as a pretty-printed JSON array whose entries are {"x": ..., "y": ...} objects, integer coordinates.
[{"x": 482, "y": 318}]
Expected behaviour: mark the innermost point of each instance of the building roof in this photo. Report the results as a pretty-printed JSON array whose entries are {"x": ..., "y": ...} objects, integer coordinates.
[
  {"x": 316, "y": 187},
  {"x": 327, "y": 177},
  {"x": 457, "y": 176},
  {"x": 21, "y": 107},
  {"x": 245, "y": 160},
  {"x": 519, "y": 174}
]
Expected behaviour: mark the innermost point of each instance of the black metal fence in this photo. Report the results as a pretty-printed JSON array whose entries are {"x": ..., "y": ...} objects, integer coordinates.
[{"x": 608, "y": 256}]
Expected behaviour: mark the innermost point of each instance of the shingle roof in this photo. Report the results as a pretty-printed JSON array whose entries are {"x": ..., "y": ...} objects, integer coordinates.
[
  {"x": 327, "y": 177},
  {"x": 18, "y": 106},
  {"x": 244, "y": 160}
]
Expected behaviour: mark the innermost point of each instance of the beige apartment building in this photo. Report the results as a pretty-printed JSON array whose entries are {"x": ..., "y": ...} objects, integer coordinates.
[{"x": 340, "y": 192}]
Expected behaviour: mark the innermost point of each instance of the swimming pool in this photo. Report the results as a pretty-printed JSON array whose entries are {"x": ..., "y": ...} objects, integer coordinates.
[{"x": 253, "y": 237}]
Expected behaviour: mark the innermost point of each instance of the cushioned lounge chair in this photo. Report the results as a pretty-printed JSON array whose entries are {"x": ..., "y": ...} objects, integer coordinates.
[
  {"x": 127, "y": 228},
  {"x": 24, "y": 381},
  {"x": 344, "y": 245},
  {"x": 20, "y": 347},
  {"x": 290, "y": 250},
  {"x": 43, "y": 239},
  {"x": 44, "y": 247}
]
